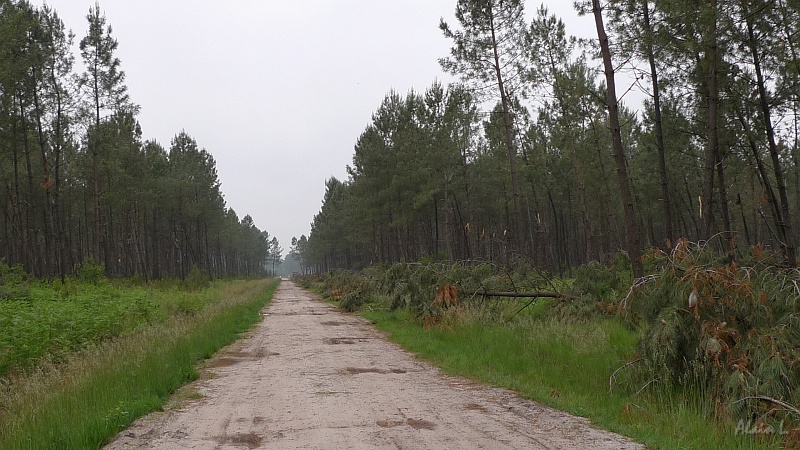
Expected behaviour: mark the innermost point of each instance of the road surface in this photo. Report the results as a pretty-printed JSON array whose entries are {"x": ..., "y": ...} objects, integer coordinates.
[{"x": 312, "y": 377}]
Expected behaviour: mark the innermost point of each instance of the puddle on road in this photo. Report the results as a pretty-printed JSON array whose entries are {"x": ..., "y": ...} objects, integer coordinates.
[
  {"x": 335, "y": 341},
  {"x": 232, "y": 358},
  {"x": 419, "y": 424},
  {"x": 358, "y": 370},
  {"x": 223, "y": 362},
  {"x": 250, "y": 440},
  {"x": 416, "y": 424},
  {"x": 389, "y": 423},
  {"x": 474, "y": 407}
]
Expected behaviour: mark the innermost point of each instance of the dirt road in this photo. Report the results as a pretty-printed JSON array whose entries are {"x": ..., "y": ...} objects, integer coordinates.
[{"x": 310, "y": 376}]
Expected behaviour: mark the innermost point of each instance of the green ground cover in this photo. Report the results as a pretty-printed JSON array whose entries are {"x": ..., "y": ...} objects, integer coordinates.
[
  {"x": 567, "y": 366},
  {"x": 112, "y": 354},
  {"x": 54, "y": 321}
]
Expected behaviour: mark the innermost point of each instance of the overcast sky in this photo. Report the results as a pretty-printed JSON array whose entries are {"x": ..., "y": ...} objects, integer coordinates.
[{"x": 277, "y": 91}]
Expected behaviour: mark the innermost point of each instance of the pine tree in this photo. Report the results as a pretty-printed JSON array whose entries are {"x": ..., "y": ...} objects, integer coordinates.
[
  {"x": 103, "y": 82},
  {"x": 486, "y": 54}
]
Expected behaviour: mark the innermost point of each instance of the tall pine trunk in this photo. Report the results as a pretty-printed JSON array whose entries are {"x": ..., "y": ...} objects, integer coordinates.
[
  {"x": 633, "y": 241},
  {"x": 785, "y": 221},
  {"x": 711, "y": 61},
  {"x": 666, "y": 201}
]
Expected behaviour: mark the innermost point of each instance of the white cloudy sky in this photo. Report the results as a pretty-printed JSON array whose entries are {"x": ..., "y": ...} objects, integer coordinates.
[{"x": 277, "y": 91}]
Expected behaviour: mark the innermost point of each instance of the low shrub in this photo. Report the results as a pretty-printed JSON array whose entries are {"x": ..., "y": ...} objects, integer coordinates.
[
  {"x": 91, "y": 272},
  {"x": 197, "y": 279},
  {"x": 13, "y": 282}
]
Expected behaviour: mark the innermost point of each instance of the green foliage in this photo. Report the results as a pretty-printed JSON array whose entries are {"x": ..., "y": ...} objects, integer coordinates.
[
  {"x": 602, "y": 282},
  {"x": 349, "y": 288},
  {"x": 57, "y": 320},
  {"x": 429, "y": 290},
  {"x": 13, "y": 282},
  {"x": 196, "y": 279},
  {"x": 727, "y": 332},
  {"x": 356, "y": 297},
  {"x": 91, "y": 272},
  {"x": 596, "y": 286},
  {"x": 85, "y": 401}
]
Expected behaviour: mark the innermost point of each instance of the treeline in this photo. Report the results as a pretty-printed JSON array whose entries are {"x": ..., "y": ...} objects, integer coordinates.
[
  {"x": 77, "y": 181},
  {"x": 713, "y": 150}
]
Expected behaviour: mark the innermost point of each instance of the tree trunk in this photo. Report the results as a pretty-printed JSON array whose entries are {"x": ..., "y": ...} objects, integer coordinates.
[
  {"x": 762, "y": 172},
  {"x": 47, "y": 211},
  {"x": 631, "y": 227},
  {"x": 34, "y": 256},
  {"x": 712, "y": 121},
  {"x": 723, "y": 206},
  {"x": 659, "y": 129},
  {"x": 58, "y": 141},
  {"x": 785, "y": 221},
  {"x": 18, "y": 245}
]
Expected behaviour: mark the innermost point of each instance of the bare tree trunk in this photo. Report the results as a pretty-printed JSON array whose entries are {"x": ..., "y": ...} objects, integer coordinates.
[
  {"x": 19, "y": 245},
  {"x": 785, "y": 221},
  {"x": 659, "y": 129},
  {"x": 723, "y": 206},
  {"x": 47, "y": 211},
  {"x": 35, "y": 264},
  {"x": 762, "y": 172},
  {"x": 712, "y": 122},
  {"x": 61, "y": 240},
  {"x": 631, "y": 227},
  {"x": 95, "y": 143}
]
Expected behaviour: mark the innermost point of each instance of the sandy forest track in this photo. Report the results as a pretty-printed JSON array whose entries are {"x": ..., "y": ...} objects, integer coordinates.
[{"x": 310, "y": 376}]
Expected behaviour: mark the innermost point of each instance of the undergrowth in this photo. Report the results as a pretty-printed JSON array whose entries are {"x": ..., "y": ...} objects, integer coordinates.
[
  {"x": 726, "y": 331},
  {"x": 90, "y": 395},
  {"x": 44, "y": 322},
  {"x": 428, "y": 289}
]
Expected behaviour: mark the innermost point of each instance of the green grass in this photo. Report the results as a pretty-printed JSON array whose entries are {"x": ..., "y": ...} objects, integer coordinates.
[
  {"x": 54, "y": 320},
  {"x": 83, "y": 401},
  {"x": 566, "y": 366}
]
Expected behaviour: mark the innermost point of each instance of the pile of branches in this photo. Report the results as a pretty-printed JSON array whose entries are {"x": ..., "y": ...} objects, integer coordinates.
[
  {"x": 429, "y": 289},
  {"x": 351, "y": 289},
  {"x": 729, "y": 331}
]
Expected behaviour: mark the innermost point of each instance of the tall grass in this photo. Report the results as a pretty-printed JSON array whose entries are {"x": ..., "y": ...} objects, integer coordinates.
[
  {"x": 566, "y": 365},
  {"x": 84, "y": 401}
]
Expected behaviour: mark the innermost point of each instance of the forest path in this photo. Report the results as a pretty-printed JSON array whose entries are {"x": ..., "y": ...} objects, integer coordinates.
[{"x": 310, "y": 376}]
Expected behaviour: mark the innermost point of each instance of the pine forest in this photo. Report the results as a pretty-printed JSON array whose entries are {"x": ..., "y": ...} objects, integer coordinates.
[
  {"x": 80, "y": 184},
  {"x": 518, "y": 161}
]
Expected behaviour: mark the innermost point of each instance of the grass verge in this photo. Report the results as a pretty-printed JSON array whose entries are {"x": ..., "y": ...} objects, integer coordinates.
[
  {"x": 567, "y": 366},
  {"x": 83, "y": 402}
]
